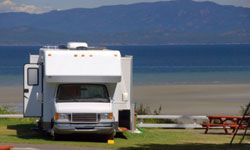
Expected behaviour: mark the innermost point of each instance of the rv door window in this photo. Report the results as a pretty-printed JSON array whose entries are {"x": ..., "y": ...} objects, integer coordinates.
[
  {"x": 82, "y": 93},
  {"x": 33, "y": 76}
]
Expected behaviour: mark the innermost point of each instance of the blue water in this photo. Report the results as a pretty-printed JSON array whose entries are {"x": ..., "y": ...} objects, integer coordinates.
[{"x": 169, "y": 64}]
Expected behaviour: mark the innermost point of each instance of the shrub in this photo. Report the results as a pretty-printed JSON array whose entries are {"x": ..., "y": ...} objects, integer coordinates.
[
  {"x": 146, "y": 110},
  {"x": 143, "y": 110},
  {"x": 243, "y": 109},
  {"x": 5, "y": 110}
]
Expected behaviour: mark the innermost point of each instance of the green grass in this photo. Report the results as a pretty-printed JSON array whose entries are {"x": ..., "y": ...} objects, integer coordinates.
[{"x": 20, "y": 131}]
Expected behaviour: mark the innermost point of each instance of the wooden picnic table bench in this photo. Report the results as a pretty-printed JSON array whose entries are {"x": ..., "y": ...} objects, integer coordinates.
[{"x": 226, "y": 122}]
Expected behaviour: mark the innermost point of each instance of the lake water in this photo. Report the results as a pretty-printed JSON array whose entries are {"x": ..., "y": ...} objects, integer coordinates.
[{"x": 154, "y": 65}]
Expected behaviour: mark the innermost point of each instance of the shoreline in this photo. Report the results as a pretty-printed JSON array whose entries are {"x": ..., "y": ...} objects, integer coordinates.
[
  {"x": 175, "y": 99},
  {"x": 166, "y": 44}
]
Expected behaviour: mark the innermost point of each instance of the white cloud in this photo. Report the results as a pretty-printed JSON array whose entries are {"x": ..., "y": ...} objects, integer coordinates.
[{"x": 10, "y": 6}]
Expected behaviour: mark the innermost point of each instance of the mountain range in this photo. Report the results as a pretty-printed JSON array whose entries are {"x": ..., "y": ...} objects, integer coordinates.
[{"x": 168, "y": 22}]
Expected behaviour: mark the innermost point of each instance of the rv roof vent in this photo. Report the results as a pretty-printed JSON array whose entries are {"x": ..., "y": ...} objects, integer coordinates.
[
  {"x": 77, "y": 45},
  {"x": 50, "y": 47}
]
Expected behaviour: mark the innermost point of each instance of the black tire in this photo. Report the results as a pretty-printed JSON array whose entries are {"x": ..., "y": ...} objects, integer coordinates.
[
  {"x": 57, "y": 137},
  {"x": 39, "y": 125},
  {"x": 54, "y": 135},
  {"x": 52, "y": 123},
  {"x": 110, "y": 136}
]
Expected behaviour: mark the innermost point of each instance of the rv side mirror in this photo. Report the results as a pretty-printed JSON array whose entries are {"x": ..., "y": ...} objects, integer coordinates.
[{"x": 38, "y": 96}]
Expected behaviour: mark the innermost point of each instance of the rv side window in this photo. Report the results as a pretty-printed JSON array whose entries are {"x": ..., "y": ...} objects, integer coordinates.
[{"x": 33, "y": 79}]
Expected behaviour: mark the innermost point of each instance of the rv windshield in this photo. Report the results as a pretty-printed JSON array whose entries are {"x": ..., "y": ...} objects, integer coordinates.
[{"x": 82, "y": 93}]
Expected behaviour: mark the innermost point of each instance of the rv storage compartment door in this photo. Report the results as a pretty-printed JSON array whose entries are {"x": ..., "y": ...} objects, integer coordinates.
[{"x": 32, "y": 90}]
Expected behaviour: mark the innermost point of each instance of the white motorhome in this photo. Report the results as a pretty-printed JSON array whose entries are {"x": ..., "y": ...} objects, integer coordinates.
[{"x": 78, "y": 89}]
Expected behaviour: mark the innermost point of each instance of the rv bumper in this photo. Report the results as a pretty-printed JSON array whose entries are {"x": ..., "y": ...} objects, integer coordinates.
[{"x": 100, "y": 128}]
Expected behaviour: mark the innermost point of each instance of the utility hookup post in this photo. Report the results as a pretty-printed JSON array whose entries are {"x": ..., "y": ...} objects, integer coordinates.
[{"x": 133, "y": 120}]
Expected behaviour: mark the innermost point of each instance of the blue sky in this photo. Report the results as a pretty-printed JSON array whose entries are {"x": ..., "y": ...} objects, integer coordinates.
[{"x": 39, "y": 6}]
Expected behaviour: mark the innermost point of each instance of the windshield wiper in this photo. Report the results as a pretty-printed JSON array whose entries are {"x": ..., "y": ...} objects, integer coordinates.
[
  {"x": 69, "y": 100},
  {"x": 94, "y": 99},
  {"x": 90, "y": 99}
]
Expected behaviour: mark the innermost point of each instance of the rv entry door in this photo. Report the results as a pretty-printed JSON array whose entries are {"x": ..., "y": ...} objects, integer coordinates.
[{"x": 32, "y": 92}]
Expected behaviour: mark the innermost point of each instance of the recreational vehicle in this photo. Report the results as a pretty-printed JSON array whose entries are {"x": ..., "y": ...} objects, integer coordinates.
[{"x": 78, "y": 89}]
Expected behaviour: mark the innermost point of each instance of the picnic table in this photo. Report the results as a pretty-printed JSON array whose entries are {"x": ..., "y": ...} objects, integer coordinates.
[{"x": 226, "y": 122}]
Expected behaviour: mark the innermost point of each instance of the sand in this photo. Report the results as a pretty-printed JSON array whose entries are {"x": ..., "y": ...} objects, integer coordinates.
[
  {"x": 195, "y": 99},
  {"x": 12, "y": 96},
  {"x": 202, "y": 99}
]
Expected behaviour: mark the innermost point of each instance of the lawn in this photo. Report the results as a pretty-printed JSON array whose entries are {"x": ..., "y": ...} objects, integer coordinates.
[{"x": 22, "y": 131}]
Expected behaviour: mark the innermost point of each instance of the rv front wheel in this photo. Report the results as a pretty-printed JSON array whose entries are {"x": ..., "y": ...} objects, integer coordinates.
[
  {"x": 57, "y": 137},
  {"x": 111, "y": 136},
  {"x": 54, "y": 135},
  {"x": 39, "y": 124}
]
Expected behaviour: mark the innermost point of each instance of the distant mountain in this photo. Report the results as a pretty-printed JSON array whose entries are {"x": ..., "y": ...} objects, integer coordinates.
[{"x": 180, "y": 21}]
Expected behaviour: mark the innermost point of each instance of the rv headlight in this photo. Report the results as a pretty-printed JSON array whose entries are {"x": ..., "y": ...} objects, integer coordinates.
[
  {"x": 107, "y": 116},
  {"x": 62, "y": 117}
]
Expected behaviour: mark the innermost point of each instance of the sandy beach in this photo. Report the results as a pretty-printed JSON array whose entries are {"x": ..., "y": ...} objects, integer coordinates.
[
  {"x": 195, "y": 99},
  {"x": 201, "y": 99},
  {"x": 12, "y": 96}
]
